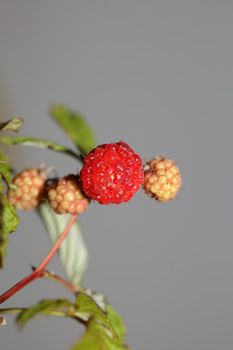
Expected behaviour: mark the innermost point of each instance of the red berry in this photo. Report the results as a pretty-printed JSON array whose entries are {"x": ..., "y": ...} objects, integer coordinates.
[
  {"x": 66, "y": 197},
  {"x": 29, "y": 191},
  {"x": 111, "y": 173},
  {"x": 162, "y": 179}
]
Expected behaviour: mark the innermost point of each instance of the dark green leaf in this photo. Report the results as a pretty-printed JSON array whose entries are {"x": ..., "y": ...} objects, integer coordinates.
[
  {"x": 116, "y": 322},
  {"x": 75, "y": 126},
  {"x": 58, "y": 307},
  {"x": 88, "y": 308},
  {"x": 5, "y": 169},
  {"x": 8, "y": 223},
  {"x": 97, "y": 337},
  {"x": 8, "y": 218},
  {"x": 73, "y": 252},
  {"x": 39, "y": 143},
  {"x": 12, "y": 125}
]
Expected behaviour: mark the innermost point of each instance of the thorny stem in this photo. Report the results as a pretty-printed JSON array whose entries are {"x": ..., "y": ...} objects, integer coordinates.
[{"x": 39, "y": 270}]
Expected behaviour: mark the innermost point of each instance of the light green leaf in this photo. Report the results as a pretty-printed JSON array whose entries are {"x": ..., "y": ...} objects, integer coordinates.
[
  {"x": 12, "y": 124},
  {"x": 97, "y": 338},
  {"x": 8, "y": 223},
  {"x": 75, "y": 126},
  {"x": 88, "y": 308},
  {"x": 98, "y": 297},
  {"x": 39, "y": 143},
  {"x": 73, "y": 252},
  {"x": 117, "y": 322},
  {"x": 58, "y": 307}
]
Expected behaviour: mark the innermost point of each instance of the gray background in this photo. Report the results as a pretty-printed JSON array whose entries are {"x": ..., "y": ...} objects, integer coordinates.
[{"x": 157, "y": 74}]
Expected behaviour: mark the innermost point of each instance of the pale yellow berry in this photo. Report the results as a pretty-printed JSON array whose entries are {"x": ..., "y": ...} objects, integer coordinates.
[
  {"x": 162, "y": 179},
  {"x": 30, "y": 188},
  {"x": 66, "y": 197}
]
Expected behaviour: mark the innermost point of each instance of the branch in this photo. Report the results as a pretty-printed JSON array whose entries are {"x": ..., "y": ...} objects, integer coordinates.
[{"x": 37, "y": 272}]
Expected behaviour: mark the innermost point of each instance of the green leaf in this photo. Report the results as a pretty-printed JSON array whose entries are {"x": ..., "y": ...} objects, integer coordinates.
[
  {"x": 8, "y": 217},
  {"x": 73, "y": 252},
  {"x": 98, "y": 297},
  {"x": 97, "y": 338},
  {"x": 88, "y": 309},
  {"x": 58, "y": 307},
  {"x": 75, "y": 126},
  {"x": 8, "y": 223},
  {"x": 12, "y": 124},
  {"x": 5, "y": 169},
  {"x": 39, "y": 143},
  {"x": 117, "y": 322}
]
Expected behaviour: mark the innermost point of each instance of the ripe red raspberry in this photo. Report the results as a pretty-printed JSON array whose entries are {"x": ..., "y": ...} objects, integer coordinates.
[
  {"x": 66, "y": 197},
  {"x": 111, "y": 173},
  {"x": 29, "y": 192},
  {"x": 162, "y": 179}
]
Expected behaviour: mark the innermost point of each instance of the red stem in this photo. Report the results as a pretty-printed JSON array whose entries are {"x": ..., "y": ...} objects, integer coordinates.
[{"x": 37, "y": 272}]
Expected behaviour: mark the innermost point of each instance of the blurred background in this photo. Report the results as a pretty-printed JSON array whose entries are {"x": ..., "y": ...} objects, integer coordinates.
[{"x": 159, "y": 75}]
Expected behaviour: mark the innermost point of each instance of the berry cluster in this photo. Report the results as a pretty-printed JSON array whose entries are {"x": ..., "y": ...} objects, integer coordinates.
[
  {"x": 111, "y": 174},
  {"x": 162, "y": 179},
  {"x": 29, "y": 188},
  {"x": 66, "y": 197}
]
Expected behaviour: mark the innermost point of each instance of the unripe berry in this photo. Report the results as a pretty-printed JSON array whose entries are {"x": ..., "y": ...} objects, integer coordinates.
[
  {"x": 162, "y": 179},
  {"x": 111, "y": 173},
  {"x": 66, "y": 197},
  {"x": 29, "y": 188}
]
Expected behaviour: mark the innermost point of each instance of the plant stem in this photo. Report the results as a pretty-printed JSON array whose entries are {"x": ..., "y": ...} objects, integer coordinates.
[
  {"x": 53, "y": 277},
  {"x": 12, "y": 310},
  {"x": 38, "y": 271},
  {"x": 17, "y": 310}
]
